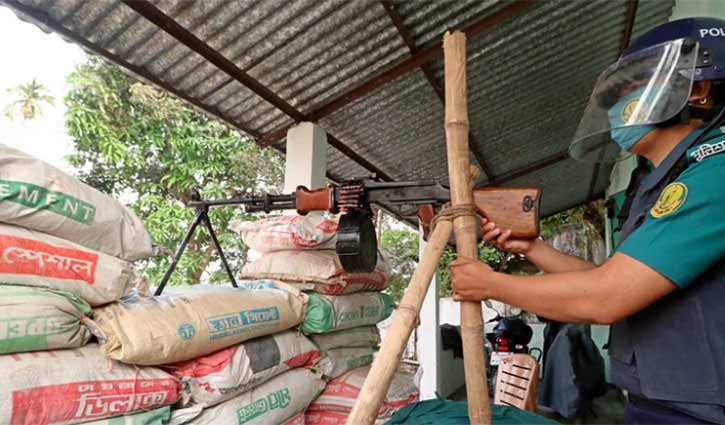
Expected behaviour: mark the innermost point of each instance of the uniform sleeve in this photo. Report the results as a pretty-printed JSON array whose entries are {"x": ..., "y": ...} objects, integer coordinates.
[{"x": 683, "y": 241}]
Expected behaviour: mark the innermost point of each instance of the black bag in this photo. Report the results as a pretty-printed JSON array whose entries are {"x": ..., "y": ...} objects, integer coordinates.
[{"x": 573, "y": 369}]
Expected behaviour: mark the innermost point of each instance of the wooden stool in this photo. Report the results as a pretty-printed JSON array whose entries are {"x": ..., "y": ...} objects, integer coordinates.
[{"x": 517, "y": 382}]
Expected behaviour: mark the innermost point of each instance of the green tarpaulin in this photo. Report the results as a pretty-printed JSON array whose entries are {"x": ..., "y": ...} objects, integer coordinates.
[{"x": 447, "y": 412}]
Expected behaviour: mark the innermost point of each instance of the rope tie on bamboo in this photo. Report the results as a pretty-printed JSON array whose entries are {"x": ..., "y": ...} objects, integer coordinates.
[{"x": 452, "y": 212}]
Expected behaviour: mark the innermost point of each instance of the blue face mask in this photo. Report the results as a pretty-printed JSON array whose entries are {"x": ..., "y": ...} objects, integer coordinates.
[{"x": 626, "y": 137}]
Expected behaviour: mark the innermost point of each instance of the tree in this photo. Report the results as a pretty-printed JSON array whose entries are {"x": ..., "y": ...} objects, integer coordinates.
[
  {"x": 400, "y": 249},
  {"x": 400, "y": 244},
  {"x": 140, "y": 145},
  {"x": 29, "y": 99}
]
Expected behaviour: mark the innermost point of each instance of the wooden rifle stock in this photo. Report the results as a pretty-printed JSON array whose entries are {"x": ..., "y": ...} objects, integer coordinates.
[
  {"x": 314, "y": 200},
  {"x": 514, "y": 208}
]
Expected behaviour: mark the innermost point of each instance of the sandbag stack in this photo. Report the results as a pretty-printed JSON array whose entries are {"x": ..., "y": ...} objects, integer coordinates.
[
  {"x": 335, "y": 403},
  {"x": 343, "y": 308},
  {"x": 234, "y": 350},
  {"x": 64, "y": 249},
  {"x": 301, "y": 251}
]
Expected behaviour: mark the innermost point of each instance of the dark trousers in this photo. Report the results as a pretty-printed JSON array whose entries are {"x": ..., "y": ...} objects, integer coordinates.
[{"x": 637, "y": 413}]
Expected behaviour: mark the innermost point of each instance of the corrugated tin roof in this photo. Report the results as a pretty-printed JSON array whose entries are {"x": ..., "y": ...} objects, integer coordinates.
[{"x": 529, "y": 76}]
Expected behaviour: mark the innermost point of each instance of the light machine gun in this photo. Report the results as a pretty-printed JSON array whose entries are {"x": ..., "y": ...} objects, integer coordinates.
[{"x": 515, "y": 208}]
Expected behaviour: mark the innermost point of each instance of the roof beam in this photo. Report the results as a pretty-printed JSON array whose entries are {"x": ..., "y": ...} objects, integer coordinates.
[
  {"x": 42, "y": 19},
  {"x": 394, "y": 16},
  {"x": 185, "y": 37},
  {"x": 623, "y": 43},
  {"x": 397, "y": 20},
  {"x": 422, "y": 56}
]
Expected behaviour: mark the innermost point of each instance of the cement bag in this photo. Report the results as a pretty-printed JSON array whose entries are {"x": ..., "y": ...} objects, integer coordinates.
[
  {"x": 363, "y": 336},
  {"x": 340, "y": 393},
  {"x": 33, "y": 319},
  {"x": 333, "y": 418},
  {"x": 38, "y": 196},
  {"x": 160, "y": 416},
  {"x": 78, "y": 385},
  {"x": 288, "y": 232},
  {"x": 327, "y": 313},
  {"x": 278, "y": 401},
  {"x": 229, "y": 372},
  {"x": 318, "y": 270},
  {"x": 172, "y": 328},
  {"x": 37, "y": 259},
  {"x": 337, "y": 361}
]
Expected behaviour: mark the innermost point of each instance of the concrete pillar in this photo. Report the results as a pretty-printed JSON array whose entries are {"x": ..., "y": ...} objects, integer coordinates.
[
  {"x": 306, "y": 163},
  {"x": 429, "y": 339}
]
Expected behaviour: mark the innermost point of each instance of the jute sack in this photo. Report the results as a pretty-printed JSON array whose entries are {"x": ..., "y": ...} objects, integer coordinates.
[
  {"x": 33, "y": 319},
  {"x": 38, "y": 196},
  {"x": 225, "y": 374},
  {"x": 160, "y": 416},
  {"x": 318, "y": 270},
  {"x": 327, "y": 313},
  {"x": 363, "y": 336},
  {"x": 337, "y": 361},
  {"x": 288, "y": 232},
  {"x": 176, "y": 327},
  {"x": 78, "y": 385},
  {"x": 36, "y": 259},
  {"x": 278, "y": 401},
  {"x": 340, "y": 393}
]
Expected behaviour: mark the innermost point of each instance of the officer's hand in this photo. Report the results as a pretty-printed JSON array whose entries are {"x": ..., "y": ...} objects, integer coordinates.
[
  {"x": 469, "y": 278},
  {"x": 501, "y": 239}
]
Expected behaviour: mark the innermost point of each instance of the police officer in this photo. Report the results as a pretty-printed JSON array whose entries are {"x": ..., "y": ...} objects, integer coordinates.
[{"x": 664, "y": 288}]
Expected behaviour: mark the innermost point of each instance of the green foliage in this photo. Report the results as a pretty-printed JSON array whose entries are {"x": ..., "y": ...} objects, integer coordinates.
[
  {"x": 29, "y": 99},
  {"x": 137, "y": 143},
  {"x": 400, "y": 248},
  {"x": 592, "y": 212}
]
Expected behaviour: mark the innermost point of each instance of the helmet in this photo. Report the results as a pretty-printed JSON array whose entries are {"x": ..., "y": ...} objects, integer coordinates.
[{"x": 649, "y": 85}]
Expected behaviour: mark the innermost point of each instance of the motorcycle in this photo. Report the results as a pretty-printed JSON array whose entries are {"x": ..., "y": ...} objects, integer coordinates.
[{"x": 511, "y": 335}]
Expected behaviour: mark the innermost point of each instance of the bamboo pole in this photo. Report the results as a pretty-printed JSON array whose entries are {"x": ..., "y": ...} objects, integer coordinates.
[
  {"x": 456, "y": 123},
  {"x": 405, "y": 318}
]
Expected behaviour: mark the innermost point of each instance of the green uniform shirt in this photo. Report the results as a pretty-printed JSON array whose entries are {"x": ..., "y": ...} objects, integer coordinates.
[{"x": 683, "y": 235}]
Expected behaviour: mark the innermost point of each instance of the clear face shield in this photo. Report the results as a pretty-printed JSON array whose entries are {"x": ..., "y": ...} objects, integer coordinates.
[{"x": 640, "y": 90}]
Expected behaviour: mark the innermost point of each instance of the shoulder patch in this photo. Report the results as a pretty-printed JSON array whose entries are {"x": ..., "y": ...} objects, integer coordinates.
[
  {"x": 671, "y": 199},
  {"x": 707, "y": 149}
]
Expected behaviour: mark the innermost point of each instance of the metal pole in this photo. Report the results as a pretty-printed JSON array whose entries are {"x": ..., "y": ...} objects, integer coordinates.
[
  {"x": 200, "y": 214},
  {"x": 207, "y": 222}
]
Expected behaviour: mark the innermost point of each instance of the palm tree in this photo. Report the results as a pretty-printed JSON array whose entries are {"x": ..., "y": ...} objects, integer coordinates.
[{"x": 29, "y": 98}]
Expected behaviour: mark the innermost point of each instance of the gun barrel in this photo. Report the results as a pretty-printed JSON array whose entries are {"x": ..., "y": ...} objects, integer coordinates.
[{"x": 264, "y": 203}]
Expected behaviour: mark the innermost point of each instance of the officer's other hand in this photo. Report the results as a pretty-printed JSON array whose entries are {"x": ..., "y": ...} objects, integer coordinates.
[
  {"x": 470, "y": 279},
  {"x": 501, "y": 239}
]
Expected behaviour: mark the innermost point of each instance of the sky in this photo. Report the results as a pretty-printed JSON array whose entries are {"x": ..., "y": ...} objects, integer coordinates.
[{"x": 29, "y": 53}]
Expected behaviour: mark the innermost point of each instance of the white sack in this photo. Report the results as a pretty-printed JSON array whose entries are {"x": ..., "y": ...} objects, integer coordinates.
[
  {"x": 288, "y": 232},
  {"x": 176, "y": 327},
  {"x": 78, "y": 385},
  {"x": 36, "y": 259},
  {"x": 225, "y": 374},
  {"x": 38, "y": 196}
]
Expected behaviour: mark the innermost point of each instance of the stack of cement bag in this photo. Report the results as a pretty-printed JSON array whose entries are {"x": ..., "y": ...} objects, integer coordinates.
[
  {"x": 232, "y": 349},
  {"x": 334, "y": 405},
  {"x": 343, "y": 308},
  {"x": 64, "y": 249},
  {"x": 301, "y": 251}
]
